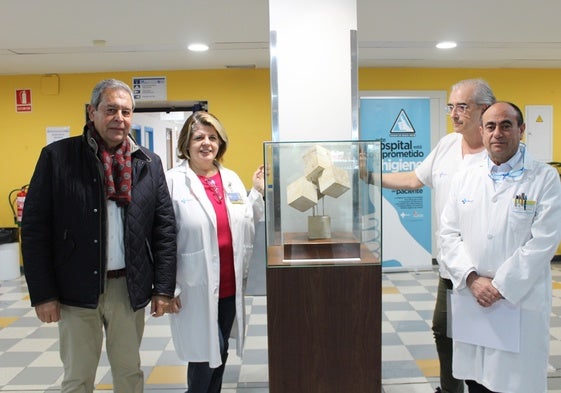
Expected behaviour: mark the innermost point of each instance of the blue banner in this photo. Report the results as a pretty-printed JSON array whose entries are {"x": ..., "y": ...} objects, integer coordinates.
[{"x": 403, "y": 126}]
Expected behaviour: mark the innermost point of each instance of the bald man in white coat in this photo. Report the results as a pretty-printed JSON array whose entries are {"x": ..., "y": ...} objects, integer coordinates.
[{"x": 499, "y": 231}]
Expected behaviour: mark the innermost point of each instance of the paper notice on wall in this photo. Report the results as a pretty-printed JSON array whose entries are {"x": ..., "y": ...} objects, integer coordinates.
[{"x": 57, "y": 133}]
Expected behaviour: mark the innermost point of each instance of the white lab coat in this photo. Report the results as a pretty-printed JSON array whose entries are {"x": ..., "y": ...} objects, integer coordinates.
[
  {"x": 483, "y": 230},
  {"x": 195, "y": 328},
  {"x": 436, "y": 171}
]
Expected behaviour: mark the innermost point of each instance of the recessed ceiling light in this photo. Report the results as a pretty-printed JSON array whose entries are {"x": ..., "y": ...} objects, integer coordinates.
[
  {"x": 446, "y": 45},
  {"x": 198, "y": 47}
]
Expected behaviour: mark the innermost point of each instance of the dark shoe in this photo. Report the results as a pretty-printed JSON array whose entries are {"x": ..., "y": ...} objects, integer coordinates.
[{"x": 438, "y": 390}]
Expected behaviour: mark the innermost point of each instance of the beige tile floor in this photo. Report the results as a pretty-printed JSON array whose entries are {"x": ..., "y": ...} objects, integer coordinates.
[{"x": 29, "y": 350}]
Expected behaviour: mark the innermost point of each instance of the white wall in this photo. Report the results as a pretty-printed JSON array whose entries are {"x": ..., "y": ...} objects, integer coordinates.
[{"x": 156, "y": 120}]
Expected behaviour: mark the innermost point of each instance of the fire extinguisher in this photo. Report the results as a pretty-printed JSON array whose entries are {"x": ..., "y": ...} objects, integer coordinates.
[{"x": 18, "y": 201}]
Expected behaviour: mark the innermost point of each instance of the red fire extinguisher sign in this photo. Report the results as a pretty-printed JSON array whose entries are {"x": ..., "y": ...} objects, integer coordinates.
[{"x": 23, "y": 100}]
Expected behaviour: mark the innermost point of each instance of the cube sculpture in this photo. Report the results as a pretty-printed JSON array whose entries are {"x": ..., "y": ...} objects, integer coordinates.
[
  {"x": 321, "y": 178},
  {"x": 302, "y": 194},
  {"x": 316, "y": 159},
  {"x": 334, "y": 182}
]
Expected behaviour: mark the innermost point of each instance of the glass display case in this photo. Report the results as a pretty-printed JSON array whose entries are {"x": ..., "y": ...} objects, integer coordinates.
[
  {"x": 323, "y": 240},
  {"x": 321, "y": 208}
]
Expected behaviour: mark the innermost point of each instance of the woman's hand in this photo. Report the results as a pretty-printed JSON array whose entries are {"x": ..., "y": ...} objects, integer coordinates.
[
  {"x": 259, "y": 179},
  {"x": 174, "y": 305}
]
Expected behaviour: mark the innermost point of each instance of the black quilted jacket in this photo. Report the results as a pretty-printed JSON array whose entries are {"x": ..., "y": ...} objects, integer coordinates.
[{"x": 64, "y": 227}]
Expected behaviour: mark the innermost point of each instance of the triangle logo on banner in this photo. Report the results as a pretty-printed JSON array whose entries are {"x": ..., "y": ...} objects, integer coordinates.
[{"x": 402, "y": 125}]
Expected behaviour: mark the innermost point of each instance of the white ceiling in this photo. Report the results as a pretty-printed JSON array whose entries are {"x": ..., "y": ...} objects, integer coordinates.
[{"x": 56, "y": 36}]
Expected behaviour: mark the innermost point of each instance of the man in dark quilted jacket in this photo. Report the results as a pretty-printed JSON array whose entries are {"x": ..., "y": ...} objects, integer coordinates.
[{"x": 98, "y": 242}]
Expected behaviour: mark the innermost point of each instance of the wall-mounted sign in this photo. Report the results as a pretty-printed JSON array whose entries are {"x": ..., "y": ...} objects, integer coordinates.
[
  {"x": 23, "y": 100},
  {"x": 149, "y": 88}
]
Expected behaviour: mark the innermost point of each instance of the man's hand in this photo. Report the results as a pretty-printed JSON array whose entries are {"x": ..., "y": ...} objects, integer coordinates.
[
  {"x": 482, "y": 289},
  {"x": 362, "y": 169},
  {"x": 159, "y": 305},
  {"x": 48, "y": 312}
]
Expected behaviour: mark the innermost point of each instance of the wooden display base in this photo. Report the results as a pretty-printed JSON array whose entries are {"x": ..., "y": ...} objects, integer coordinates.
[
  {"x": 324, "y": 326},
  {"x": 297, "y": 247},
  {"x": 343, "y": 248}
]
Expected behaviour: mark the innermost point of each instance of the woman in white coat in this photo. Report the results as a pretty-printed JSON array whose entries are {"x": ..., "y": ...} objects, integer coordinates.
[{"x": 215, "y": 231}]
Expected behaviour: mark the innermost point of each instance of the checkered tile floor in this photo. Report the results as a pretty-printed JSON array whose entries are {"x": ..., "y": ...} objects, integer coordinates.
[{"x": 29, "y": 360}]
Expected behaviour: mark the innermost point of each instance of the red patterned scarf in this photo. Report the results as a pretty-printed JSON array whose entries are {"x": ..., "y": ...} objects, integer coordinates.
[{"x": 116, "y": 167}]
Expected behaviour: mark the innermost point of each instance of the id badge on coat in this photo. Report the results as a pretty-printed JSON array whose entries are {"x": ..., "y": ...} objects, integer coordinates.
[{"x": 235, "y": 197}]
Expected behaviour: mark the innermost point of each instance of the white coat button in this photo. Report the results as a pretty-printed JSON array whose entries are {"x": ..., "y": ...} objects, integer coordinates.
[
  {"x": 489, "y": 236},
  {"x": 494, "y": 199}
]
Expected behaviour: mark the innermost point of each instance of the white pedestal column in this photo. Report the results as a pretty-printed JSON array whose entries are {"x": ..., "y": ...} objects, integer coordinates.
[{"x": 314, "y": 88}]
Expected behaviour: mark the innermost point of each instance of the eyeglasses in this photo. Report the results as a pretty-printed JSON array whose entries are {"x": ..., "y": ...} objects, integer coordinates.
[
  {"x": 501, "y": 176},
  {"x": 460, "y": 108},
  {"x": 211, "y": 185},
  {"x": 511, "y": 174}
]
